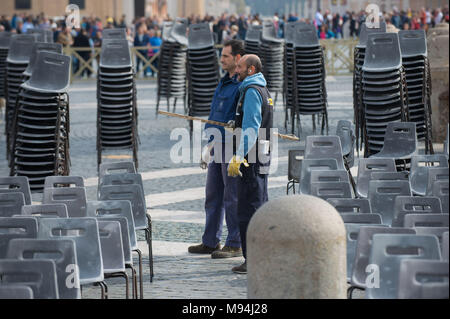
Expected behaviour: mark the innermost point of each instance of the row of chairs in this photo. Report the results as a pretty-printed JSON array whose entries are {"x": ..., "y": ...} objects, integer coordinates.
[{"x": 103, "y": 231}]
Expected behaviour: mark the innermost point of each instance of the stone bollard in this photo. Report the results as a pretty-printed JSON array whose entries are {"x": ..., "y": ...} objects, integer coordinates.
[
  {"x": 296, "y": 249},
  {"x": 438, "y": 54}
]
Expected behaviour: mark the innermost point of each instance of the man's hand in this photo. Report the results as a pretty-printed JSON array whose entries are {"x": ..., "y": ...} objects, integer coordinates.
[
  {"x": 206, "y": 155},
  {"x": 234, "y": 165}
]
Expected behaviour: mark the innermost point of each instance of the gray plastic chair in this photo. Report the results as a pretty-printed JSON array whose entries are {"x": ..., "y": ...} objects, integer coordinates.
[
  {"x": 115, "y": 168},
  {"x": 16, "y": 184},
  {"x": 62, "y": 252},
  {"x": 314, "y": 164},
  {"x": 405, "y": 205},
  {"x": 382, "y": 196},
  {"x": 351, "y": 205},
  {"x": 363, "y": 249},
  {"x": 358, "y": 218},
  {"x": 400, "y": 141},
  {"x": 440, "y": 190},
  {"x": 63, "y": 181},
  {"x": 426, "y": 220},
  {"x": 122, "y": 179},
  {"x": 111, "y": 244},
  {"x": 436, "y": 231},
  {"x": 116, "y": 33},
  {"x": 74, "y": 198},
  {"x": 15, "y": 292},
  {"x": 423, "y": 279},
  {"x": 39, "y": 275},
  {"x": 11, "y": 204},
  {"x": 366, "y": 167},
  {"x": 13, "y": 228},
  {"x": 118, "y": 209},
  {"x": 444, "y": 246},
  {"x": 387, "y": 252},
  {"x": 389, "y": 176},
  {"x": 327, "y": 190},
  {"x": 89, "y": 255},
  {"x": 436, "y": 174},
  {"x": 346, "y": 132},
  {"x": 420, "y": 164},
  {"x": 45, "y": 210},
  {"x": 352, "y": 231},
  {"x": 294, "y": 168},
  {"x": 321, "y": 147},
  {"x": 329, "y": 176}
]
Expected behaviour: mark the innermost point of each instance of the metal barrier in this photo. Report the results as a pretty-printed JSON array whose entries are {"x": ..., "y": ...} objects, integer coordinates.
[{"x": 338, "y": 58}]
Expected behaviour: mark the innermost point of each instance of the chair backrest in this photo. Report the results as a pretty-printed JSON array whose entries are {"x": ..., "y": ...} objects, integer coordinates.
[
  {"x": 413, "y": 43},
  {"x": 387, "y": 252},
  {"x": 62, "y": 252},
  {"x": 436, "y": 174},
  {"x": 73, "y": 197},
  {"x": 20, "y": 48},
  {"x": 12, "y": 228},
  {"x": 5, "y": 39},
  {"x": 46, "y": 210},
  {"x": 179, "y": 31},
  {"x": 42, "y": 46},
  {"x": 254, "y": 33},
  {"x": 133, "y": 193},
  {"x": 351, "y": 205},
  {"x": 114, "y": 208},
  {"x": 420, "y": 165},
  {"x": 11, "y": 204},
  {"x": 112, "y": 246},
  {"x": 358, "y": 218},
  {"x": 84, "y": 231},
  {"x": 116, "y": 167},
  {"x": 426, "y": 220},
  {"x": 423, "y": 279},
  {"x": 309, "y": 165},
  {"x": 51, "y": 72},
  {"x": 365, "y": 31},
  {"x": 200, "y": 36},
  {"x": 126, "y": 244},
  {"x": 319, "y": 147},
  {"x": 289, "y": 31},
  {"x": 305, "y": 36},
  {"x": 444, "y": 246},
  {"x": 400, "y": 140},
  {"x": 389, "y": 176},
  {"x": 166, "y": 29},
  {"x": 382, "y": 196},
  {"x": 115, "y": 54},
  {"x": 16, "y": 184},
  {"x": 327, "y": 190},
  {"x": 405, "y": 205},
  {"x": 269, "y": 33},
  {"x": 436, "y": 231},
  {"x": 329, "y": 176},
  {"x": 295, "y": 164},
  {"x": 15, "y": 292},
  {"x": 39, "y": 275},
  {"x": 63, "y": 181},
  {"x": 382, "y": 52},
  {"x": 440, "y": 190},
  {"x": 346, "y": 132},
  {"x": 366, "y": 167},
  {"x": 363, "y": 249},
  {"x": 114, "y": 34}
]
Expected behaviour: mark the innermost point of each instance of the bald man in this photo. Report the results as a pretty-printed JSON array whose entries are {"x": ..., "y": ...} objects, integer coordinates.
[{"x": 251, "y": 162}]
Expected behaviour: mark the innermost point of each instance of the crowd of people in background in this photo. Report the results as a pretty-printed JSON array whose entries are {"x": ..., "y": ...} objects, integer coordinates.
[{"x": 146, "y": 32}]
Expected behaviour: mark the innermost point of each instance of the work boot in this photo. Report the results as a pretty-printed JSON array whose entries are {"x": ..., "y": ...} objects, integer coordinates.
[
  {"x": 227, "y": 252},
  {"x": 202, "y": 249},
  {"x": 242, "y": 269}
]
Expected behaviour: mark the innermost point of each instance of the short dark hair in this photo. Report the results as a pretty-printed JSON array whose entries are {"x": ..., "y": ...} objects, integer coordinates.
[
  {"x": 254, "y": 60},
  {"x": 237, "y": 47}
]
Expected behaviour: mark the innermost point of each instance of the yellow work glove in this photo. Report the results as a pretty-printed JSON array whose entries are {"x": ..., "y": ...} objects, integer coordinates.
[{"x": 234, "y": 165}]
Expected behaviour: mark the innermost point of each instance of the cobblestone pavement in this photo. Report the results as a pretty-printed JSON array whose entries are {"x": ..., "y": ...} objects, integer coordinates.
[{"x": 175, "y": 192}]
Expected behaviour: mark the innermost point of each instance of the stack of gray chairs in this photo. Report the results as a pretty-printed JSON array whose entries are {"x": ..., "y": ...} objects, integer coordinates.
[
  {"x": 290, "y": 90},
  {"x": 310, "y": 76},
  {"x": 172, "y": 63},
  {"x": 42, "y": 35},
  {"x": 253, "y": 39},
  {"x": 203, "y": 69},
  {"x": 5, "y": 38},
  {"x": 359, "y": 56},
  {"x": 117, "y": 116},
  {"x": 383, "y": 90},
  {"x": 40, "y": 146},
  {"x": 413, "y": 44},
  {"x": 271, "y": 53},
  {"x": 20, "y": 49}
]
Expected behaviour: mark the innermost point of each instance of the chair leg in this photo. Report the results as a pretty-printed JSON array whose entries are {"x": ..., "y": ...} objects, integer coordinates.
[
  {"x": 141, "y": 283},
  {"x": 104, "y": 289},
  {"x": 150, "y": 246},
  {"x": 133, "y": 281},
  {"x": 122, "y": 274},
  {"x": 350, "y": 291}
]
